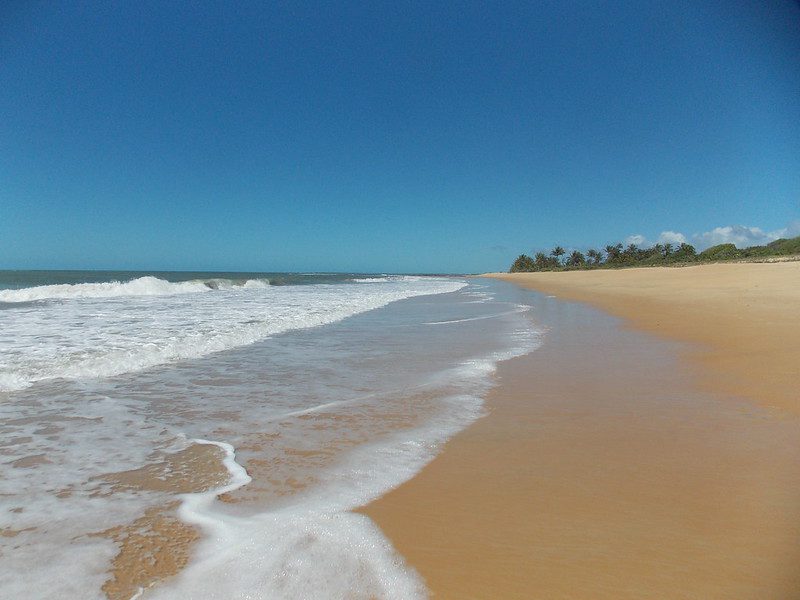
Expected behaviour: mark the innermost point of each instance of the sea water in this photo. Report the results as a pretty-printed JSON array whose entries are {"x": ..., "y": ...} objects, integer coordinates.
[{"x": 321, "y": 393}]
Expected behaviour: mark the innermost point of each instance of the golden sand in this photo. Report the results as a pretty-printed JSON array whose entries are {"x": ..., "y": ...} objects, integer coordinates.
[
  {"x": 195, "y": 469},
  {"x": 158, "y": 544},
  {"x": 605, "y": 471},
  {"x": 10, "y": 533},
  {"x": 152, "y": 548},
  {"x": 26, "y": 462},
  {"x": 744, "y": 318}
]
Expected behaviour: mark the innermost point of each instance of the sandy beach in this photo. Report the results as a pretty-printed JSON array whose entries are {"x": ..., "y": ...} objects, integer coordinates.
[
  {"x": 654, "y": 453},
  {"x": 742, "y": 318}
]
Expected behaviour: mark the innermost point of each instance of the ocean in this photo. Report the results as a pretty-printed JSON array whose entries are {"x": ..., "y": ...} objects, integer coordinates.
[{"x": 259, "y": 408}]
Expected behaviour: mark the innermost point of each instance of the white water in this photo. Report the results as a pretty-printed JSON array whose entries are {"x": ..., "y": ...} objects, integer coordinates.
[
  {"x": 105, "y": 329},
  {"x": 316, "y": 547},
  {"x": 374, "y": 395},
  {"x": 141, "y": 286}
]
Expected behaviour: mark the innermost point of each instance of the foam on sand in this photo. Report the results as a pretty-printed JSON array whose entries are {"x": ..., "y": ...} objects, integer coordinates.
[
  {"x": 316, "y": 547},
  {"x": 301, "y": 552},
  {"x": 324, "y": 421}
]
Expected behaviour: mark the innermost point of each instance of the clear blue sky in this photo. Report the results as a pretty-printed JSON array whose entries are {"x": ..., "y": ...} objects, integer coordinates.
[{"x": 395, "y": 137}]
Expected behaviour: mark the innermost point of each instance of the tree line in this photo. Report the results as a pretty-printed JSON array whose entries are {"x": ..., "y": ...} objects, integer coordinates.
[{"x": 618, "y": 255}]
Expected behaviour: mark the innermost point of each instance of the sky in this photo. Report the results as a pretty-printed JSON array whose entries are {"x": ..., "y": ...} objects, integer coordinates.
[{"x": 390, "y": 136}]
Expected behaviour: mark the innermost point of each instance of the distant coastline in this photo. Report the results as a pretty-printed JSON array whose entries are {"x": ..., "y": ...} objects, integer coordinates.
[{"x": 616, "y": 256}]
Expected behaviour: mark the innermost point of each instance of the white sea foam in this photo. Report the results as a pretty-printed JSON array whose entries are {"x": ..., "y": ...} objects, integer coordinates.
[
  {"x": 371, "y": 279},
  {"x": 392, "y": 278},
  {"x": 316, "y": 547},
  {"x": 105, "y": 329},
  {"x": 308, "y": 551},
  {"x": 378, "y": 394},
  {"x": 142, "y": 286},
  {"x": 481, "y": 318}
]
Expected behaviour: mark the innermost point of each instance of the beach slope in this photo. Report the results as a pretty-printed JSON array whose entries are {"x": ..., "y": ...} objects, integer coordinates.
[
  {"x": 744, "y": 318},
  {"x": 618, "y": 464}
]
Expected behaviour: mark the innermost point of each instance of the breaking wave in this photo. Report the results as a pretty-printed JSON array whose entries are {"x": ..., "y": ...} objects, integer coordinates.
[
  {"x": 142, "y": 286},
  {"x": 117, "y": 327}
]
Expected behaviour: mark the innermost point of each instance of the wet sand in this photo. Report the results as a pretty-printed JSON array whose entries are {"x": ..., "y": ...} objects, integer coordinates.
[
  {"x": 618, "y": 464},
  {"x": 743, "y": 318},
  {"x": 157, "y": 546}
]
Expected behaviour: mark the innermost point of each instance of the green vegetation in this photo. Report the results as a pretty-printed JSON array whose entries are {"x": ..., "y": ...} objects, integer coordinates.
[
  {"x": 616, "y": 256},
  {"x": 720, "y": 252}
]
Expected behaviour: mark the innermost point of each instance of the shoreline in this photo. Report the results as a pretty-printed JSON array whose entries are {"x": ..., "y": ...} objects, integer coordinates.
[
  {"x": 267, "y": 500},
  {"x": 738, "y": 317},
  {"x": 615, "y": 463}
]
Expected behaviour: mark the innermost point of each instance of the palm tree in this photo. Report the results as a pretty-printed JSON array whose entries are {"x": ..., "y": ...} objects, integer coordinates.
[
  {"x": 612, "y": 252},
  {"x": 576, "y": 259},
  {"x": 557, "y": 253},
  {"x": 596, "y": 256},
  {"x": 522, "y": 264}
]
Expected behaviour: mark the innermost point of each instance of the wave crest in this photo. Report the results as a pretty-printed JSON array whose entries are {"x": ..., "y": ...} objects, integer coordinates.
[
  {"x": 116, "y": 328},
  {"x": 142, "y": 286}
]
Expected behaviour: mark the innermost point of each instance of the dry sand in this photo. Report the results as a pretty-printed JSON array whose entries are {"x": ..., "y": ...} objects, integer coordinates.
[
  {"x": 744, "y": 318},
  {"x": 608, "y": 468}
]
